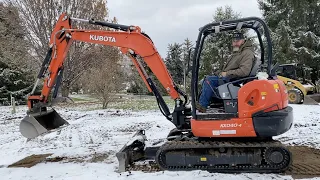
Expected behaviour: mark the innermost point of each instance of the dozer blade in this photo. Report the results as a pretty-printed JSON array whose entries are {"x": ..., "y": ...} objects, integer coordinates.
[
  {"x": 312, "y": 99},
  {"x": 40, "y": 123},
  {"x": 135, "y": 150}
]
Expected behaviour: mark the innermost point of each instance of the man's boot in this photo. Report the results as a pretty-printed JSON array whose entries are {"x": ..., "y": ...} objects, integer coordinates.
[{"x": 200, "y": 108}]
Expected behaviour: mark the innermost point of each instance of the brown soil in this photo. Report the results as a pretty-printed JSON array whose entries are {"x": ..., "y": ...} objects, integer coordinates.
[
  {"x": 306, "y": 162},
  {"x": 99, "y": 157},
  {"x": 30, "y": 160}
]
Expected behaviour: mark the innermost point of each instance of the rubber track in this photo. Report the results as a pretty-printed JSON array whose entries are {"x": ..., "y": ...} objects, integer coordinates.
[
  {"x": 295, "y": 169},
  {"x": 190, "y": 144}
]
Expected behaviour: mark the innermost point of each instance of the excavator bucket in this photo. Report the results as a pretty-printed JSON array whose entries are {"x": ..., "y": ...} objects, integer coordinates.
[
  {"x": 312, "y": 99},
  {"x": 36, "y": 124}
]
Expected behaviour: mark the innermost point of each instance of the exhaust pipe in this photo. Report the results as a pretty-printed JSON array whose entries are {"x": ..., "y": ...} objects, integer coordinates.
[{"x": 39, "y": 123}]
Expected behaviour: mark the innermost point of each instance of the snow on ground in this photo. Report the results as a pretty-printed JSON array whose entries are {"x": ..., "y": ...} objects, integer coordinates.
[{"x": 105, "y": 132}]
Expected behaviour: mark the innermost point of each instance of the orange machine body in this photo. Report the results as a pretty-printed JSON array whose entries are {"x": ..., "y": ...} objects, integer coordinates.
[{"x": 256, "y": 96}]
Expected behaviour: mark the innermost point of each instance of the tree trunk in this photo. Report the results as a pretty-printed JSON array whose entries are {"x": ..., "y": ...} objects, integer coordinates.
[
  {"x": 65, "y": 91},
  {"x": 105, "y": 104}
]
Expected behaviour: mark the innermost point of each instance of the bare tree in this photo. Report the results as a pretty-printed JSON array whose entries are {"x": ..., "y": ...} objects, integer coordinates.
[
  {"x": 39, "y": 18},
  {"x": 106, "y": 77},
  {"x": 14, "y": 75},
  {"x": 13, "y": 46}
]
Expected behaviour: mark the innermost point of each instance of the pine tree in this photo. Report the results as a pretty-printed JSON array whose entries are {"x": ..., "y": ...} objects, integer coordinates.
[
  {"x": 174, "y": 62},
  {"x": 13, "y": 82},
  {"x": 137, "y": 85},
  {"x": 187, "y": 45},
  {"x": 15, "y": 79},
  {"x": 295, "y": 30}
]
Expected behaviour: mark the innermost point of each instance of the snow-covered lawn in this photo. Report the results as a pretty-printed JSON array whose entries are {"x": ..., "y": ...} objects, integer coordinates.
[{"x": 104, "y": 132}]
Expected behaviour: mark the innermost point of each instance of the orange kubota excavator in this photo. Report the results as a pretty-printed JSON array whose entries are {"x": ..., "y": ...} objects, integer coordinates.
[{"x": 233, "y": 137}]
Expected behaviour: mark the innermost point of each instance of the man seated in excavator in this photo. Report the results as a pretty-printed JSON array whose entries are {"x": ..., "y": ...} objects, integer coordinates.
[{"x": 238, "y": 65}]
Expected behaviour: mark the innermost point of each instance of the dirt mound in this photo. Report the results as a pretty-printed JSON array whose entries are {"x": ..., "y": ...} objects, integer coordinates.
[
  {"x": 32, "y": 160},
  {"x": 306, "y": 162}
]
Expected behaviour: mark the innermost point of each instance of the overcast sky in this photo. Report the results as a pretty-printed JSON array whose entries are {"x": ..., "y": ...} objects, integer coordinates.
[{"x": 169, "y": 21}]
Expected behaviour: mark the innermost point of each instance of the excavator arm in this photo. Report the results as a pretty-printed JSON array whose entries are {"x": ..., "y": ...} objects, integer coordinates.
[
  {"x": 131, "y": 42},
  {"x": 129, "y": 39}
]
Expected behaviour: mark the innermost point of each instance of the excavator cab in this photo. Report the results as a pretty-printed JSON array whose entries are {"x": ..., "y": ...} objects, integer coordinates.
[
  {"x": 227, "y": 94},
  {"x": 244, "y": 97}
]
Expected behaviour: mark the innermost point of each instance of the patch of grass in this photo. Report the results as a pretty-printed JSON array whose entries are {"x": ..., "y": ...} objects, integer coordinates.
[
  {"x": 75, "y": 99},
  {"x": 137, "y": 104}
]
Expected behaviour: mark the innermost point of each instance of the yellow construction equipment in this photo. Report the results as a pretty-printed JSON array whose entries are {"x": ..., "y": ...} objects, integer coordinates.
[{"x": 301, "y": 89}]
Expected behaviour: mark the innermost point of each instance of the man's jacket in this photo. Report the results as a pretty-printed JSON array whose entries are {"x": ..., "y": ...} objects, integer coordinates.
[{"x": 239, "y": 64}]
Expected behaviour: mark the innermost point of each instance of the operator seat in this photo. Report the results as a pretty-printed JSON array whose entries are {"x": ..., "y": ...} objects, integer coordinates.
[
  {"x": 228, "y": 93},
  {"x": 256, "y": 67}
]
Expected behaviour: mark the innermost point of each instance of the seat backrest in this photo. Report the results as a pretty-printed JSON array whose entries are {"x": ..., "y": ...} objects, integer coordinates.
[{"x": 255, "y": 67}]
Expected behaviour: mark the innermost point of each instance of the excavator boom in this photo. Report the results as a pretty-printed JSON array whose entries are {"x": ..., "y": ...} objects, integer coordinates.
[{"x": 129, "y": 39}]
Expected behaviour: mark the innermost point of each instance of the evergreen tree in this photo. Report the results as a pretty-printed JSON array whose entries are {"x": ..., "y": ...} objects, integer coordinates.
[
  {"x": 15, "y": 79},
  {"x": 174, "y": 62},
  {"x": 187, "y": 45},
  {"x": 295, "y": 30},
  {"x": 137, "y": 85},
  {"x": 13, "y": 82}
]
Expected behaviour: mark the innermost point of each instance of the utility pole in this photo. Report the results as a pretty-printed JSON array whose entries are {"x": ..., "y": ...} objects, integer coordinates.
[
  {"x": 184, "y": 75},
  {"x": 13, "y": 104}
]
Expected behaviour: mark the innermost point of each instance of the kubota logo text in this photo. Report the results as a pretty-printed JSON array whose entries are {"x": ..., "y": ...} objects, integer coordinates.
[{"x": 102, "y": 38}]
